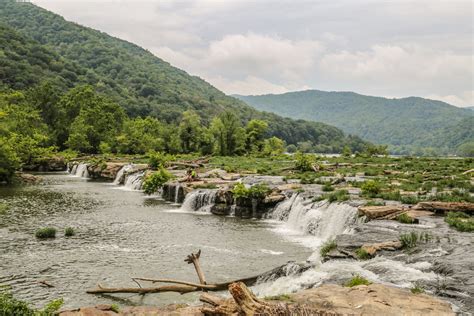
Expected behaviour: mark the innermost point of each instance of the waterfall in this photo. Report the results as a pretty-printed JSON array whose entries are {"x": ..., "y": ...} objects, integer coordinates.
[
  {"x": 134, "y": 181},
  {"x": 199, "y": 201},
  {"x": 80, "y": 170},
  {"x": 73, "y": 170},
  {"x": 313, "y": 223},
  {"x": 119, "y": 178},
  {"x": 176, "y": 192}
]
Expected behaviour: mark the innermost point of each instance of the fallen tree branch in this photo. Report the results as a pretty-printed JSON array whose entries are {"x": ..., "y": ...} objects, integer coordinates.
[{"x": 144, "y": 290}]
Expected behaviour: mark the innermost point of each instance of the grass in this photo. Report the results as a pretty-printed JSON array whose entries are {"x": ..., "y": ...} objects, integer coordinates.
[
  {"x": 328, "y": 188},
  {"x": 114, "y": 308},
  {"x": 337, "y": 196},
  {"x": 69, "y": 232},
  {"x": 209, "y": 186},
  {"x": 357, "y": 280},
  {"x": 46, "y": 232},
  {"x": 362, "y": 254},
  {"x": 3, "y": 208},
  {"x": 327, "y": 247},
  {"x": 281, "y": 297},
  {"x": 460, "y": 221},
  {"x": 405, "y": 219},
  {"x": 417, "y": 289},
  {"x": 409, "y": 240},
  {"x": 12, "y": 306}
]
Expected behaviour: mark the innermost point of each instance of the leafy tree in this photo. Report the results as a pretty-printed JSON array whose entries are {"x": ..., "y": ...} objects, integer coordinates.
[
  {"x": 274, "y": 146},
  {"x": 190, "y": 131},
  {"x": 255, "y": 134}
]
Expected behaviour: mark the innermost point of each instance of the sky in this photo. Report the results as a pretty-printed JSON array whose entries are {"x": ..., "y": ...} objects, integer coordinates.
[{"x": 395, "y": 48}]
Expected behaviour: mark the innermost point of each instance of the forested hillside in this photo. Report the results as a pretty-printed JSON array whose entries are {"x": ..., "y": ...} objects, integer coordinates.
[
  {"x": 408, "y": 125},
  {"x": 141, "y": 83}
]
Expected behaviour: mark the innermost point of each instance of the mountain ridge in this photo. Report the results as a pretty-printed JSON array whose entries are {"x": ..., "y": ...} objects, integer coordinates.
[
  {"x": 145, "y": 85},
  {"x": 406, "y": 124}
]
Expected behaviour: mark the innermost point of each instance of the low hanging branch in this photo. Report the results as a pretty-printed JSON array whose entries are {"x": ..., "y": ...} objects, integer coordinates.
[{"x": 176, "y": 285}]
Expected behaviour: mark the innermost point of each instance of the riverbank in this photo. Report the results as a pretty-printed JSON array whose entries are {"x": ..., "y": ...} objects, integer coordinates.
[{"x": 327, "y": 207}]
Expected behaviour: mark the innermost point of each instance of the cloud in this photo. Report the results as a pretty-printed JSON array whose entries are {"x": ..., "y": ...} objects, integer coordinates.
[{"x": 386, "y": 48}]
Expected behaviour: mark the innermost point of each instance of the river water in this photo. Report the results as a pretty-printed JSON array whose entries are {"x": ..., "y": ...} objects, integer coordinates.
[{"x": 122, "y": 234}]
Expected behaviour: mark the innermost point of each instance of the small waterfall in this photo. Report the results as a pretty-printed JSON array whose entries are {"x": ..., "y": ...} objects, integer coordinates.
[
  {"x": 80, "y": 170},
  {"x": 119, "y": 178},
  {"x": 134, "y": 181},
  {"x": 199, "y": 201},
  {"x": 73, "y": 170},
  {"x": 176, "y": 192}
]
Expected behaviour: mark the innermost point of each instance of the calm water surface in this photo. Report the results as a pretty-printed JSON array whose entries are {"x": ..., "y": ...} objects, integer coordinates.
[{"x": 122, "y": 234}]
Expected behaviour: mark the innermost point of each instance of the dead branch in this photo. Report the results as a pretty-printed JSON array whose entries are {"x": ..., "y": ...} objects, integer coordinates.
[
  {"x": 144, "y": 290},
  {"x": 194, "y": 259}
]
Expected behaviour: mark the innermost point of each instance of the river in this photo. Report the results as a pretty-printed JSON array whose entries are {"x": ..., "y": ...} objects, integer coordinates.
[{"x": 122, "y": 234}]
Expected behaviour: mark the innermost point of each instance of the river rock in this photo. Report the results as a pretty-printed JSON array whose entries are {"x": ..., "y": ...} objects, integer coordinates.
[
  {"x": 371, "y": 249},
  {"x": 375, "y": 299},
  {"x": 47, "y": 164},
  {"x": 107, "y": 171},
  {"x": 444, "y": 207},
  {"x": 381, "y": 212},
  {"x": 27, "y": 178}
]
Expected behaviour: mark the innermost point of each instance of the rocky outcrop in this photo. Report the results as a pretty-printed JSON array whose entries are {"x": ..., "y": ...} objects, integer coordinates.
[
  {"x": 381, "y": 212},
  {"x": 47, "y": 164},
  {"x": 106, "y": 170},
  {"x": 371, "y": 249},
  {"x": 328, "y": 299},
  {"x": 444, "y": 207},
  {"x": 27, "y": 178},
  {"x": 375, "y": 299}
]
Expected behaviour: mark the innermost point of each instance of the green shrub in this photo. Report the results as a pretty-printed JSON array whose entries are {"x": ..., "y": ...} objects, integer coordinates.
[
  {"x": 357, "y": 280},
  {"x": 114, "y": 308},
  {"x": 327, "y": 247},
  {"x": 69, "y": 231},
  {"x": 257, "y": 191},
  {"x": 371, "y": 188},
  {"x": 409, "y": 240},
  {"x": 417, "y": 289},
  {"x": 460, "y": 221},
  {"x": 281, "y": 297},
  {"x": 338, "y": 196},
  {"x": 47, "y": 232},
  {"x": 405, "y": 219},
  {"x": 11, "y": 306},
  {"x": 327, "y": 187},
  {"x": 3, "y": 208},
  {"x": 304, "y": 162},
  {"x": 362, "y": 254},
  {"x": 155, "y": 180},
  {"x": 158, "y": 160},
  {"x": 374, "y": 203}
]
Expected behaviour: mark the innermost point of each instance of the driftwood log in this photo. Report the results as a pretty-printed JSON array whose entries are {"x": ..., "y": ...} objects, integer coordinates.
[
  {"x": 244, "y": 302},
  {"x": 177, "y": 286}
]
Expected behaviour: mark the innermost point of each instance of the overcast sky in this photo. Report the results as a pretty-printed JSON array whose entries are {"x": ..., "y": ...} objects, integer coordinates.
[{"x": 386, "y": 48}]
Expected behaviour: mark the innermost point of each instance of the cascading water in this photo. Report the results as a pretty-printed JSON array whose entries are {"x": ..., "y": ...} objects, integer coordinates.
[
  {"x": 80, "y": 170},
  {"x": 134, "y": 181},
  {"x": 119, "y": 178},
  {"x": 176, "y": 192},
  {"x": 199, "y": 201},
  {"x": 314, "y": 223}
]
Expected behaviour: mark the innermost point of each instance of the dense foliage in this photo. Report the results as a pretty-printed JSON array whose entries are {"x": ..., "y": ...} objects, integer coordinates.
[
  {"x": 142, "y": 84},
  {"x": 409, "y": 125}
]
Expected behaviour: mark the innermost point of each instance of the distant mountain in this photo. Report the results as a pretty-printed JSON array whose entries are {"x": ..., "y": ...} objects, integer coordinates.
[
  {"x": 38, "y": 45},
  {"x": 408, "y": 125}
]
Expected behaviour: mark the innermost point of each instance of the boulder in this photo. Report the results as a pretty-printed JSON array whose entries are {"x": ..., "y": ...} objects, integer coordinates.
[
  {"x": 371, "y": 249},
  {"x": 374, "y": 299},
  {"x": 106, "y": 171},
  {"x": 381, "y": 212},
  {"x": 27, "y": 178}
]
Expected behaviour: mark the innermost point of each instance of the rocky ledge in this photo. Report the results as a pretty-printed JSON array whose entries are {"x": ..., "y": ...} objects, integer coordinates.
[{"x": 328, "y": 299}]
